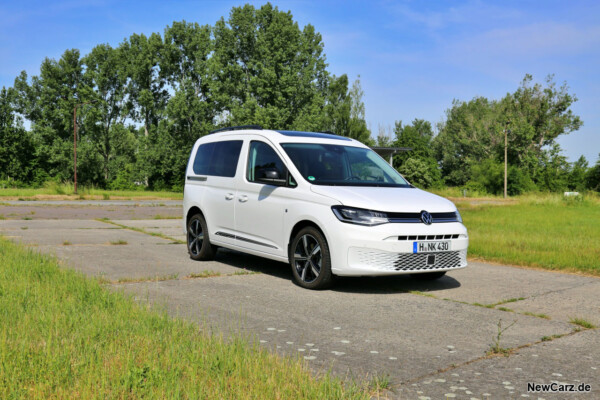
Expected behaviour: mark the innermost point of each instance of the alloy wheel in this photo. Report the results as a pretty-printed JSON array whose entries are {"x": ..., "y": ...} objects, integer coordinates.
[
  {"x": 307, "y": 258},
  {"x": 195, "y": 237}
]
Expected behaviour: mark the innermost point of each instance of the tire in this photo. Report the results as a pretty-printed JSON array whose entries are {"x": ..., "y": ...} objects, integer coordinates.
[
  {"x": 429, "y": 276},
  {"x": 198, "y": 242},
  {"x": 310, "y": 260}
]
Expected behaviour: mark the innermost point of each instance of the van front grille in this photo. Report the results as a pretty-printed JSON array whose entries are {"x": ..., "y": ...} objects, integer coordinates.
[
  {"x": 409, "y": 262},
  {"x": 425, "y": 262}
]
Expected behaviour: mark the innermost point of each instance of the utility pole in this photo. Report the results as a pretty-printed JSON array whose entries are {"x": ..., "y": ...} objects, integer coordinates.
[
  {"x": 75, "y": 142},
  {"x": 506, "y": 131}
]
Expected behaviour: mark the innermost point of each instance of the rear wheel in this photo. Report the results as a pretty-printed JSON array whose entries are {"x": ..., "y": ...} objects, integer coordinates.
[
  {"x": 429, "y": 276},
  {"x": 198, "y": 242},
  {"x": 310, "y": 260}
]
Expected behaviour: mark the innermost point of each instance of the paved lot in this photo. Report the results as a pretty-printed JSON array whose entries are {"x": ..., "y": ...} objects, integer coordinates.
[{"x": 430, "y": 338}]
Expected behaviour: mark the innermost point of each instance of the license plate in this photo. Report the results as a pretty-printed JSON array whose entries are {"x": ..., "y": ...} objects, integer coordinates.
[{"x": 430, "y": 247}]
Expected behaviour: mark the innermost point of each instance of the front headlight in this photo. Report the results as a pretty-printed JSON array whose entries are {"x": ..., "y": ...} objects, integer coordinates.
[
  {"x": 458, "y": 217},
  {"x": 359, "y": 216}
]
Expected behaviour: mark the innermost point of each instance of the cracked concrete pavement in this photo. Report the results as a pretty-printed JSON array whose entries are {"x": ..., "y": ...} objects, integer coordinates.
[{"x": 429, "y": 338}]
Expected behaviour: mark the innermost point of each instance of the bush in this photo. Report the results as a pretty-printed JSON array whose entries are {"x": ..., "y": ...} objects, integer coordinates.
[
  {"x": 11, "y": 184},
  {"x": 519, "y": 182},
  {"x": 417, "y": 172},
  {"x": 592, "y": 178},
  {"x": 488, "y": 175},
  {"x": 125, "y": 180}
]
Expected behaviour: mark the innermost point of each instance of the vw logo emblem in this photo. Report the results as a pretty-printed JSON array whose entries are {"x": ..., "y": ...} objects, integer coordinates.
[{"x": 426, "y": 218}]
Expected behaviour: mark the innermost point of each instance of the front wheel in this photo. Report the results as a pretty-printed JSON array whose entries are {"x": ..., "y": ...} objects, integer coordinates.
[
  {"x": 198, "y": 242},
  {"x": 310, "y": 260}
]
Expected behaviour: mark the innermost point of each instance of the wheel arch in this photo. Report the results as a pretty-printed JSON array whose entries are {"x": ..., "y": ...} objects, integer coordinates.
[
  {"x": 298, "y": 227},
  {"x": 191, "y": 212}
]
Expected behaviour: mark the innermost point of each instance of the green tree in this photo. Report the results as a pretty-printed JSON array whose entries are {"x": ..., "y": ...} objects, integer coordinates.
[
  {"x": 146, "y": 90},
  {"x": 577, "y": 175},
  {"x": 553, "y": 173},
  {"x": 592, "y": 178},
  {"x": 16, "y": 147},
  {"x": 187, "y": 67},
  {"x": 533, "y": 117},
  {"x": 104, "y": 130},
  {"x": 418, "y": 137},
  {"x": 417, "y": 172},
  {"x": 267, "y": 70},
  {"x": 357, "y": 126},
  {"x": 337, "y": 106},
  {"x": 47, "y": 101},
  {"x": 468, "y": 136}
]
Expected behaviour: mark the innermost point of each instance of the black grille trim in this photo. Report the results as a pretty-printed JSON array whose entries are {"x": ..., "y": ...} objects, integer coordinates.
[
  {"x": 429, "y": 237},
  {"x": 414, "y": 218}
]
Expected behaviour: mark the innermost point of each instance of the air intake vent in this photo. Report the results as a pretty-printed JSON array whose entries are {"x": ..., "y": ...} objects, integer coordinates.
[{"x": 428, "y": 237}]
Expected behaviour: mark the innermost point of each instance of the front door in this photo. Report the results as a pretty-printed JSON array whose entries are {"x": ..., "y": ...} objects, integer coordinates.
[{"x": 260, "y": 208}]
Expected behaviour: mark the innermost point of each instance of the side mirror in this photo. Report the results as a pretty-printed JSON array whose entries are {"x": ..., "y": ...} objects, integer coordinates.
[{"x": 270, "y": 176}]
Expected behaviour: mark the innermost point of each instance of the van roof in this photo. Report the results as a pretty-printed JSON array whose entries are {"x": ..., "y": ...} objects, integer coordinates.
[
  {"x": 319, "y": 135},
  {"x": 256, "y": 129}
]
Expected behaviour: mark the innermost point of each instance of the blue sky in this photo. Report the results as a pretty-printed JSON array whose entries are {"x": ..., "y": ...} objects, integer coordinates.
[{"x": 414, "y": 57}]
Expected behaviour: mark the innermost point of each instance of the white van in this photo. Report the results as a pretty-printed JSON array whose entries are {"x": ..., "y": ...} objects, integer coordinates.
[{"x": 326, "y": 204}]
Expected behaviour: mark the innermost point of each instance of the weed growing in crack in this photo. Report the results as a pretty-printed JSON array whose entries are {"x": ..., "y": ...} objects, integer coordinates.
[
  {"x": 496, "y": 347},
  {"x": 377, "y": 384},
  {"x": 582, "y": 323}
]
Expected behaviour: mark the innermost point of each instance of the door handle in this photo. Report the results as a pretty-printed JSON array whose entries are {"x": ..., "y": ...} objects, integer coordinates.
[
  {"x": 229, "y": 196},
  {"x": 243, "y": 198}
]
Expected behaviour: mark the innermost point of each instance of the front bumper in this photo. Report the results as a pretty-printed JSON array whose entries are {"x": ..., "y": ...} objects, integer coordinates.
[{"x": 388, "y": 249}]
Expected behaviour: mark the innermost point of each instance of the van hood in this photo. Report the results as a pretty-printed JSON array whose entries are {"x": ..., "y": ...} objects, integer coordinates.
[{"x": 386, "y": 199}]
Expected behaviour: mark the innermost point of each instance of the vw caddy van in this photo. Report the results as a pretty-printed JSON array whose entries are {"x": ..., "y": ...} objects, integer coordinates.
[{"x": 326, "y": 204}]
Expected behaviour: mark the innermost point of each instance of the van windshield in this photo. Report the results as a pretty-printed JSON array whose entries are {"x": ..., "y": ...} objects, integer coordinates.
[{"x": 337, "y": 165}]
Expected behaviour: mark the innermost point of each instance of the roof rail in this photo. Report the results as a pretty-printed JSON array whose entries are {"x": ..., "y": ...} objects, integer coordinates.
[{"x": 236, "y": 128}]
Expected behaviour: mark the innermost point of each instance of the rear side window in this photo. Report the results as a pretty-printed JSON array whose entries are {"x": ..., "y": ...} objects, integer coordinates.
[{"x": 218, "y": 158}]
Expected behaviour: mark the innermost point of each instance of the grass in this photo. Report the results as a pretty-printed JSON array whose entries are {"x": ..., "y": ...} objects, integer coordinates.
[
  {"x": 540, "y": 315},
  {"x": 66, "y": 192},
  {"x": 545, "y": 232},
  {"x": 157, "y": 278},
  {"x": 419, "y": 293},
  {"x": 377, "y": 385},
  {"x": 204, "y": 274},
  {"x": 159, "y": 216},
  {"x": 118, "y": 242},
  {"x": 551, "y": 338},
  {"x": 64, "y": 336},
  {"x": 245, "y": 272},
  {"x": 582, "y": 323}
]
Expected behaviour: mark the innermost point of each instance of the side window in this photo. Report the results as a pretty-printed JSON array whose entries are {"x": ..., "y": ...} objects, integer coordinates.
[
  {"x": 202, "y": 160},
  {"x": 218, "y": 158},
  {"x": 263, "y": 158}
]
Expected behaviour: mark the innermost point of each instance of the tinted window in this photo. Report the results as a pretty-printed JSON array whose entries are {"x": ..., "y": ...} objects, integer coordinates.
[
  {"x": 263, "y": 157},
  {"x": 218, "y": 158},
  {"x": 326, "y": 164}
]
